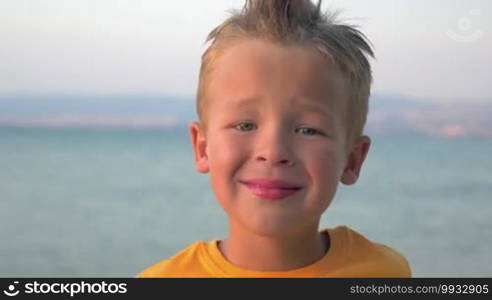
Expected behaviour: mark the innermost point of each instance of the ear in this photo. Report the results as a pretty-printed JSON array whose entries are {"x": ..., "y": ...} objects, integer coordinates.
[
  {"x": 199, "y": 141},
  {"x": 355, "y": 160}
]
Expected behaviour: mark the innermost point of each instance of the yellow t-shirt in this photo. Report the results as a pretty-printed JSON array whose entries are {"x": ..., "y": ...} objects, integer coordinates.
[{"x": 350, "y": 255}]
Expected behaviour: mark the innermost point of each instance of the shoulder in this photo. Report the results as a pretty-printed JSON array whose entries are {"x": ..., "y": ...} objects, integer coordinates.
[
  {"x": 183, "y": 264},
  {"x": 377, "y": 260}
]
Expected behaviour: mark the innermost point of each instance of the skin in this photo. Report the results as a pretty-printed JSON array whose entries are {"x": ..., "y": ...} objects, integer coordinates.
[{"x": 276, "y": 112}]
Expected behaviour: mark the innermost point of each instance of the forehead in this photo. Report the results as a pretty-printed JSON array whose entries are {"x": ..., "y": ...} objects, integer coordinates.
[{"x": 256, "y": 69}]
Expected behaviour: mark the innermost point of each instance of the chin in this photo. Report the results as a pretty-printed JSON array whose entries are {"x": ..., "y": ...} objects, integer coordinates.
[{"x": 273, "y": 226}]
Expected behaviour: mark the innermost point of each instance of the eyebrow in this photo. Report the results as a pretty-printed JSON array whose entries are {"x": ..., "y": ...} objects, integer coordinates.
[
  {"x": 317, "y": 107},
  {"x": 312, "y": 106}
]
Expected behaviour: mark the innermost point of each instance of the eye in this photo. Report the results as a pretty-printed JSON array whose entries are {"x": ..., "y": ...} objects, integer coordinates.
[
  {"x": 308, "y": 131},
  {"x": 245, "y": 126}
]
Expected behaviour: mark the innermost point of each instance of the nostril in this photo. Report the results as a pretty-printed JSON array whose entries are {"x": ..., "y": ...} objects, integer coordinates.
[{"x": 263, "y": 158}]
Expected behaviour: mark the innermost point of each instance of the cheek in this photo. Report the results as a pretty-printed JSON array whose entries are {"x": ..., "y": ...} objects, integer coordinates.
[
  {"x": 324, "y": 164},
  {"x": 226, "y": 153},
  {"x": 321, "y": 154}
]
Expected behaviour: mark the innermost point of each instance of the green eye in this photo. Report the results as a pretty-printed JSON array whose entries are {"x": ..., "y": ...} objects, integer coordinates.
[
  {"x": 245, "y": 126},
  {"x": 308, "y": 131}
]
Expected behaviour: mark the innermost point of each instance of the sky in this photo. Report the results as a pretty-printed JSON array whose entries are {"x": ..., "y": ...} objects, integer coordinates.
[{"x": 440, "y": 50}]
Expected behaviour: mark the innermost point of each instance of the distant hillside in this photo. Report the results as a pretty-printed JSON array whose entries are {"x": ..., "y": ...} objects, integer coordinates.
[
  {"x": 95, "y": 110},
  {"x": 388, "y": 114}
]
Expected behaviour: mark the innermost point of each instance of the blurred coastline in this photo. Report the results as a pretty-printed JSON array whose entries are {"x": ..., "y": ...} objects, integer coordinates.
[{"x": 388, "y": 114}]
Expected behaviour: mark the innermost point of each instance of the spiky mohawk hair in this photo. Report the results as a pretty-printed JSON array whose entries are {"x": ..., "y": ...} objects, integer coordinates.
[{"x": 298, "y": 22}]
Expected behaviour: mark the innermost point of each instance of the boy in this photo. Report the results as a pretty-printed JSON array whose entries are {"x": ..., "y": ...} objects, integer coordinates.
[{"x": 282, "y": 102}]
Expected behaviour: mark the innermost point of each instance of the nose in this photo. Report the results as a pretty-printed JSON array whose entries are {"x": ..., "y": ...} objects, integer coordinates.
[{"x": 274, "y": 148}]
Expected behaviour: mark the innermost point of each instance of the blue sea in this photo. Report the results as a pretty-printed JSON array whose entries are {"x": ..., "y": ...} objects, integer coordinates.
[{"x": 110, "y": 202}]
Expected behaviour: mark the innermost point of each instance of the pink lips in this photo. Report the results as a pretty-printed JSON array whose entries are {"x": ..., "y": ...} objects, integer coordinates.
[{"x": 271, "y": 189}]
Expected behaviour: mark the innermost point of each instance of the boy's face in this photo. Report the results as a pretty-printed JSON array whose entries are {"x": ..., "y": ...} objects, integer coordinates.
[{"x": 275, "y": 138}]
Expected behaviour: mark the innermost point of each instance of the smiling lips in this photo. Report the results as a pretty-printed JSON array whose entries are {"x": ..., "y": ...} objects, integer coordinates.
[{"x": 271, "y": 189}]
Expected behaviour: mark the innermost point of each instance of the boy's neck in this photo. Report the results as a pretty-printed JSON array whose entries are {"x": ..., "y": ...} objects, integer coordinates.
[{"x": 259, "y": 253}]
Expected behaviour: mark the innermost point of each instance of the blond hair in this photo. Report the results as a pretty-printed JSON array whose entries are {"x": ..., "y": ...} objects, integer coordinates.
[{"x": 298, "y": 22}]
